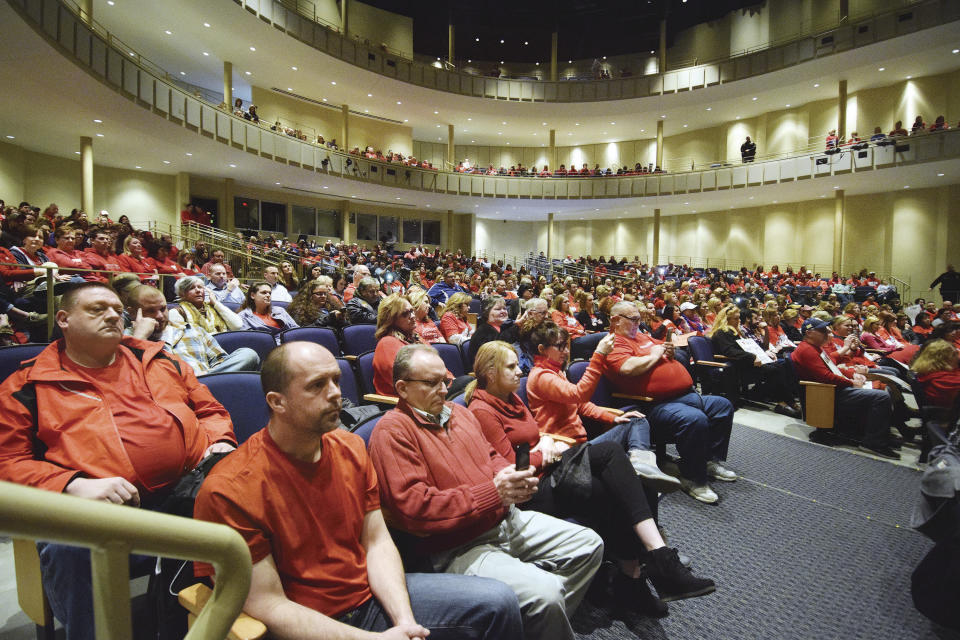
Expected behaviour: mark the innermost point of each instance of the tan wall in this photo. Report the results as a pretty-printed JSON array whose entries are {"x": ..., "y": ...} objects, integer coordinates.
[
  {"x": 41, "y": 179},
  {"x": 384, "y": 136},
  {"x": 511, "y": 237},
  {"x": 381, "y": 27}
]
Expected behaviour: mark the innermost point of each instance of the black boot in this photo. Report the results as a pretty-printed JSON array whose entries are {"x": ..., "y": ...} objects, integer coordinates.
[
  {"x": 633, "y": 594},
  {"x": 673, "y": 580}
]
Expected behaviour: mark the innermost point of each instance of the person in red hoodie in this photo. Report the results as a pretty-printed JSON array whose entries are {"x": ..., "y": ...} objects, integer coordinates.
[
  {"x": 100, "y": 256},
  {"x": 871, "y": 410},
  {"x": 616, "y": 506},
  {"x": 443, "y": 482},
  {"x": 937, "y": 372}
]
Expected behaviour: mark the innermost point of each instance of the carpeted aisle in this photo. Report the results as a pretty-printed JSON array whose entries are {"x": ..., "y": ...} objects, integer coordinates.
[{"x": 811, "y": 543}]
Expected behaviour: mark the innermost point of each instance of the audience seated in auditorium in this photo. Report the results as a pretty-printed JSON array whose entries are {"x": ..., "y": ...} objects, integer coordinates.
[
  {"x": 453, "y": 318},
  {"x": 424, "y": 326},
  {"x": 614, "y": 504},
  {"x": 316, "y": 306},
  {"x": 443, "y": 482},
  {"x": 339, "y": 566},
  {"x": 56, "y": 405},
  {"x": 198, "y": 307},
  {"x": 493, "y": 323},
  {"x": 898, "y": 130},
  {"x": 562, "y": 316},
  {"x": 259, "y": 313},
  {"x": 222, "y": 287},
  {"x": 279, "y": 290},
  {"x": 643, "y": 366},
  {"x": 362, "y": 307}
]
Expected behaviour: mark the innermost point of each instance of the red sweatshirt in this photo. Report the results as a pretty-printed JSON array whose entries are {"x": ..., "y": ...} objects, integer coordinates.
[
  {"x": 810, "y": 366},
  {"x": 505, "y": 424},
  {"x": 940, "y": 388},
  {"x": 437, "y": 482},
  {"x": 557, "y": 403}
]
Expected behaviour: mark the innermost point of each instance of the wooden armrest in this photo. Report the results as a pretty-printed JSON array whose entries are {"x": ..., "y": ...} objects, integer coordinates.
[
  {"x": 710, "y": 363},
  {"x": 616, "y": 412},
  {"x": 877, "y": 351},
  {"x": 719, "y": 356},
  {"x": 376, "y": 398},
  {"x": 811, "y": 383},
  {"x": 350, "y": 358},
  {"x": 627, "y": 396},
  {"x": 560, "y": 438},
  {"x": 195, "y": 597}
]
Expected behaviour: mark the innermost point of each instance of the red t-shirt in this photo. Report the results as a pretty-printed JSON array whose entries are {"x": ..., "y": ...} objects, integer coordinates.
[
  {"x": 665, "y": 380},
  {"x": 451, "y": 325},
  {"x": 428, "y": 331},
  {"x": 151, "y": 436},
  {"x": 308, "y": 516},
  {"x": 268, "y": 320}
]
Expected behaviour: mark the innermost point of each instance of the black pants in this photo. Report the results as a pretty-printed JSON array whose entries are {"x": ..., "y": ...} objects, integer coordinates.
[
  {"x": 952, "y": 296},
  {"x": 774, "y": 377},
  {"x": 617, "y": 501}
]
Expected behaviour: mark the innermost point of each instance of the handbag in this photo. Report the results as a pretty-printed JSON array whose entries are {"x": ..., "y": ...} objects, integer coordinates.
[{"x": 571, "y": 479}]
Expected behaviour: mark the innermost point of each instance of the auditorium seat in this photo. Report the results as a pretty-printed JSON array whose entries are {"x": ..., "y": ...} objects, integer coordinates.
[
  {"x": 11, "y": 357},
  {"x": 242, "y": 396},
  {"x": 452, "y": 359},
  {"x": 260, "y": 341},
  {"x": 322, "y": 336},
  {"x": 358, "y": 338}
]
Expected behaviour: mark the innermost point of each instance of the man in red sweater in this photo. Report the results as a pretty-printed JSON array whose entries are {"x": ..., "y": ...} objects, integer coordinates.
[
  {"x": 442, "y": 481},
  {"x": 100, "y": 256},
  {"x": 857, "y": 403}
]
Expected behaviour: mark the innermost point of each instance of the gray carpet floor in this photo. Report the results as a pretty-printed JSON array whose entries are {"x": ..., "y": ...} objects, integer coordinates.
[{"x": 810, "y": 543}]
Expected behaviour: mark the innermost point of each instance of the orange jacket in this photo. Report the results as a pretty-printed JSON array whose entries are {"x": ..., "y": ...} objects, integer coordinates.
[
  {"x": 557, "y": 404},
  {"x": 56, "y": 428}
]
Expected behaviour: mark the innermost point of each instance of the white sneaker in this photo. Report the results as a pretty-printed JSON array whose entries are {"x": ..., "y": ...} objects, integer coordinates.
[
  {"x": 701, "y": 492},
  {"x": 645, "y": 464},
  {"x": 719, "y": 472}
]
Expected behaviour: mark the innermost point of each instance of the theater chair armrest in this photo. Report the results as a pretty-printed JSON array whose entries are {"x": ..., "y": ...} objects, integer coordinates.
[
  {"x": 193, "y": 599},
  {"x": 559, "y": 438},
  {"x": 627, "y": 396},
  {"x": 811, "y": 383},
  {"x": 711, "y": 363},
  {"x": 376, "y": 398},
  {"x": 350, "y": 358},
  {"x": 877, "y": 351},
  {"x": 616, "y": 412},
  {"x": 719, "y": 356}
]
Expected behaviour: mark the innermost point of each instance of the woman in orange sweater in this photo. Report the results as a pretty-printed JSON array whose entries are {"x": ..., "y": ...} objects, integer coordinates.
[
  {"x": 616, "y": 506},
  {"x": 558, "y": 404}
]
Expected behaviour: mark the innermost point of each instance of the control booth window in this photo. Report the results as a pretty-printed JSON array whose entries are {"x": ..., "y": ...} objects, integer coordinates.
[
  {"x": 246, "y": 214},
  {"x": 366, "y": 227},
  {"x": 273, "y": 217},
  {"x": 304, "y": 221},
  {"x": 328, "y": 223},
  {"x": 431, "y": 232},
  {"x": 411, "y": 231}
]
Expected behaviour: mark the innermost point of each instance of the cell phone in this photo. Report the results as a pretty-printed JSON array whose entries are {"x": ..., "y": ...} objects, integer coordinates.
[{"x": 522, "y": 453}]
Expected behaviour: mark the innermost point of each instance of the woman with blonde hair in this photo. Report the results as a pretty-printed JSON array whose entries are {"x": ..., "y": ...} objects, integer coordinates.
[
  {"x": 937, "y": 372},
  {"x": 873, "y": 336},
  {"x": 396, "y": 327},
  {"x": 614, "y": 503},
  {"x": 453, "y": 318},
  {"x": 424, "y": 326},
  {"x": 133, "y": 259},
  {"x": 562, "y": 315}
]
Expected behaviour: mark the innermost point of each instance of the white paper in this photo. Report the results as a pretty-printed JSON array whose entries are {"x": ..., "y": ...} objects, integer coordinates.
[{"x": 753, "y": 348}]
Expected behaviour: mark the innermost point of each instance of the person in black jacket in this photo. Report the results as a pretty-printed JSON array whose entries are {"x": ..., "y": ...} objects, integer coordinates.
[
  {"x": 493, "y": 323},
  {"x": 949, "y": 282},
  {"x": 588, "y": 316},
  {"x": 362, "y": 307},
  {"x": 724, "y": 336},
  {"x": 748, "y": 150}
]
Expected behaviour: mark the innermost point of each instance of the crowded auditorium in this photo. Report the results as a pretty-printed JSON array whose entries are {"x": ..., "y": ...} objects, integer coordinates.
[{"x": 569, "y": 321}]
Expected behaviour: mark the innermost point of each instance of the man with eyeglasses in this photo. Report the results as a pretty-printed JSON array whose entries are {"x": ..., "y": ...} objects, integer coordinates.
[
  {"x": 442, "y": 481},
  {"x": 700, "y": 425}
]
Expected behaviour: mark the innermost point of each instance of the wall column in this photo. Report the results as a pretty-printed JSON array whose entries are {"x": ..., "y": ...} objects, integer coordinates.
[
  {"x": 838, "y": 215},
  {"x": 842, "y": 111},
  {"x": 229, "y": 212},
  {"x": 86, "y": 175},
  {"x": 450, "y": 148},
  {"x": 182, "y": 196},
  {"x": 844, "y": 11},
  {"x": 655, "y": 258},
  {"x": 549, "y": 236},
  {"x": 228, "y": 85},
  {"x": 86, "y": 10},
  {"x": 344, "y": 14},
  {"x": 345, "y": 125},
  {"x": 345, "y": 220},
  {"x": 553, "y": 149},
  {"x": 553, "y": 56},
  {"x": 659, "y": 162},
  {"x": 662, "y": 51},
  {"x": 451, "y": 33}
]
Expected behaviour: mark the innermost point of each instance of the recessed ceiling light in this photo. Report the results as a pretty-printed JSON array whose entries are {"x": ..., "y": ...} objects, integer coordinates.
[
  {"x": 189, "y": 154},
  {"x": 333, "y": 82},
  {"x": 684, "y": 126},
  {"x": 428, "y": 206},
  {"x": 906, "y": 186},
  {"x": 472, "y": 141},
  {"x": 406, "y": 120},
  {"x": 469, "y": 60},
  {"x": 709, "y": 108},
  {"x": 503, "y": 123},
  {"x": 205, "y": 53},
  {"x": 436, "y": 113},
  {"x": 642, "y": 130},
  {"x": 111, "y": 2},
  {"x": 786, "y": 105},
  {"x": 183, "y": 73},
  {"x": 253, "y": 48},
  {"x": 955, "y": 51},
  {"x": 247, "y": 72},
  {"x": 613, "y": 123},
  {"x": 13, "y": 138},
  {"x": 737, "y": 118},
  {"x": 137, "y": 167},
  {"x": 326, "y": 187},
  {"x": 750, "y": 198},
  {"x": 939, "y": 175},
  {"x": 508, "y": 143},
  {"x": 289, "y": 88},
  {"x": 909, "y": 77},
  {"x": 77, "y": 152},
  {"x": 499, "y": 133},
  {"x": 816, "y": 84},
  {"x": 398, "y": 102},
  {"x": 570, "y": 133},
  {"x": 754, "y": 98},
  {"x": 168, "y": 32},
  {"x": 439, "y": 125},
  {"x": 369, "y": 95},
  {"x": 525, "y": 42},
  {"x": 882, "y": 69},
  {"x": 133, "y": 54},
  {"x": 477, "y": 40},
  {"x": 576, "y": 124},
  {"x": 276, "y": 183},
  {"x": 501, "y": 42},
  {"x": 233, "y": 166},
  {"x": 366, "y": 110},
  {"x": 663, "y": 115},
  {"x": 97, "y": 120},
  {"x": 99, "y": 135},
  {"x": 604, "y": 133},
  {"x": 166, "y": 162},
  {"x": 569, "y": 61},
  {"x": 294, "y": 69},
  {"x": 206, "y": 24},
  {"x": 353, "y": 196}
]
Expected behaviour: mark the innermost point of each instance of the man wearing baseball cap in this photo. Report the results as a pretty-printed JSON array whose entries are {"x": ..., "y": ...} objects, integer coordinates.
[{"x": 857, "y": 403}]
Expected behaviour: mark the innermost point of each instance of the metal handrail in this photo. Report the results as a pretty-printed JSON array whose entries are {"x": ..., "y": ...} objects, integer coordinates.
[{"x": 112, "y": 532}]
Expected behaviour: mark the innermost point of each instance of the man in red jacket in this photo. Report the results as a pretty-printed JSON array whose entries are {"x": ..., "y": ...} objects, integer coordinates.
[
  {"x": 856, "y": 401},
  {"x": 102, "y": 417},
  {"x": 441, "y": 480}
]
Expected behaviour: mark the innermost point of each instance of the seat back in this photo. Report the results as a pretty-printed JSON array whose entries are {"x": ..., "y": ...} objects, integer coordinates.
[
  {"x": 584, "y": 346},
  {"x": 700, "y": 348},
  {"x": 280, "y": 303},
  {"x": 260, "y": 341},
  {"x": 522, "y": 391},
  {"x": 365, "y": 372},
  {"x": 322, "y": 336},
  {"x": 233, "y": 306},
  {"x": 460, "y": 399},
  {"x": 358, "y": 338},
  {"x": 602, "y": 395},
  {"x": 465, "y": 355},
  {"x": 242, "y": 396},
  {"x": 11, "y": 357},
  {"x": 365, "y": 428},
  {"x": 475, "y": 305},
  {"x": 348, "y": 382},
  {"x": 450, "y": 354}
]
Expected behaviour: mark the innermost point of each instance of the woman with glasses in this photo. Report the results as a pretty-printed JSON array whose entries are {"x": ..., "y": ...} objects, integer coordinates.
[
  {"x": 613, "y": 502},
  {"x": 257, "y": 312},
  {"x": 316, "y": 306}
]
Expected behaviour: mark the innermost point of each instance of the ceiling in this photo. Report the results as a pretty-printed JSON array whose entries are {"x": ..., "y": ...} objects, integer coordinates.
[
  {"x": 484, "y": 121},
  {"x": 59, "y": 102}
]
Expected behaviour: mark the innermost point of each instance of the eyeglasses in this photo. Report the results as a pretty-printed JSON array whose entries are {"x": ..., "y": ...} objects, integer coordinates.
[
  {"x": 432, "y": 384},
  {"x": 562, "y": 346},
  {"x": 633, "y": 319}
]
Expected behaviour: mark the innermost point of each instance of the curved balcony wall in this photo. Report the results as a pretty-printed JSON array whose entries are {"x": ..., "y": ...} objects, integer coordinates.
[
  {"x": 110, "y": 61},
  {"x": 290, "y": 17}
]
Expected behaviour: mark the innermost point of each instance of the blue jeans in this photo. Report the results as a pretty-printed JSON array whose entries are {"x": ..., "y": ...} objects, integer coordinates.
[
  {"x": 630, "y": 435},
  {"x": 242, "y": 359},
  {"x": 65, "y": 571},
  {"x": 700, "y": 426},
  {"x": 869, "y": 410},
  {"x": 451, "y": 607}
]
